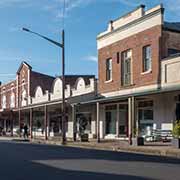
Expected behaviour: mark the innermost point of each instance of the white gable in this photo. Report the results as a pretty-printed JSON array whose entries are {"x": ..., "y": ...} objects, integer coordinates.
[
  {"x": 39, "y": 92},
  {"x": 80, "y": 84},
  {"x": 57, "y": 89}
]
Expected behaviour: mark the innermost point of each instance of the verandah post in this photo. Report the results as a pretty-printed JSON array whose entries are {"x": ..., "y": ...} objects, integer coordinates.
[{"x": 98, "y": 122}]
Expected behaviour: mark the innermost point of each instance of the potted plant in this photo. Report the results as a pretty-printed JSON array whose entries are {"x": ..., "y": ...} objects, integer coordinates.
[
  {"x": 84, "y": 137},
  {"x": 136, "y": 139},
  {"x": 176, "y": 134}
]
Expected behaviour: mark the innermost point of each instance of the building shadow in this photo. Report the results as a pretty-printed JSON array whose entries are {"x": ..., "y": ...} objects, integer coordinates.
[
  {"x": 43, "y": 152},
  {"x": 20, "y": 161}
]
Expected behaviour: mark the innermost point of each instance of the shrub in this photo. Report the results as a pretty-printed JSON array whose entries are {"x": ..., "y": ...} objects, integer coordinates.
[{"x": 176, "y": 129}]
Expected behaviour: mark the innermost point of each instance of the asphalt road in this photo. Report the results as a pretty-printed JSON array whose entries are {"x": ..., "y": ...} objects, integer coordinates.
[{"x": 23, "y": 161}]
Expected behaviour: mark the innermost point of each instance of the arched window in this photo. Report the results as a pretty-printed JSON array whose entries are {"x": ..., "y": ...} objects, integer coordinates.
[
  {"x": 24, "y": 98},
  {"x": 80, "y": 84},
  {"x": 12, "y": 100},
  {"x": 57, "y": 89},
  {"x": 4, "y": 102},
  {"x": 39, "y": 92}
]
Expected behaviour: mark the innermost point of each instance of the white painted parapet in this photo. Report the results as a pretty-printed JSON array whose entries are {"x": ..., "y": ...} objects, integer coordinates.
[
  {"x": 81, "y": 88},
  {"x": 39, "y": 96},
  {"x": 170, "y": 71},
  {"x": 130, "y": 24}
]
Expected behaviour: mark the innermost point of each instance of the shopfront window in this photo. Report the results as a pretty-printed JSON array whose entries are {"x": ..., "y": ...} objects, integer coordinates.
[
  {"x": 83, "y": 122},
  {"x": 123, "y": 119},
  {"x": 111, "y": 116},
  {"x": 145, "y": 114}
]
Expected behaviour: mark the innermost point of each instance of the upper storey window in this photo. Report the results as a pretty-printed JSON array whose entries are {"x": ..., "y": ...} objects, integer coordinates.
[
  {"x": 12, "y": 100},
  {"x": 4, "y": 102},
  {"x": 108, "y": 69},
  {"x": 126, "y": 67},
  {"x": 147, "y": 59}
]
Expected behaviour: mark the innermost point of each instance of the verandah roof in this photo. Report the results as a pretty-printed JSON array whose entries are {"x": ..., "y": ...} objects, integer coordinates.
[{"x": 159, "y": 90}]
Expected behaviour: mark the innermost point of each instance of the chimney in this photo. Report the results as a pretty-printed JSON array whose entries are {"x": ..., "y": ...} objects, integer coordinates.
[{"x": 111, "y": 25}]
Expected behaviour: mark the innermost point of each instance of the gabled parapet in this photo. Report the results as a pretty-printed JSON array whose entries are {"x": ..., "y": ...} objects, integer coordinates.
[
  {"x": 40, "y": 96},
  {"x": 80, "y": 87}
]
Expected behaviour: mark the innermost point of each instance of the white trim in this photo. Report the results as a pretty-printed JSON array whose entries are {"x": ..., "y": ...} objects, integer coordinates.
[
  {"x": 131, "y": 91},
  {"x": 122, "y": 33},
  {"x": 147, "y": 72},
  {"x": 108, "y": 81}
]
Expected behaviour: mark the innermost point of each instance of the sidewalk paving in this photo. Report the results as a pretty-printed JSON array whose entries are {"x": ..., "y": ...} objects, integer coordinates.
[{"x": 159, "y": 149}]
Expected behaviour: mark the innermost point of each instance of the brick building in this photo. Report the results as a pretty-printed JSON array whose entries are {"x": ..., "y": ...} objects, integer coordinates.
[
  {"x": 138, "y": 88},
  {"x": 35, "y": 99},
  {"x": 139, "y": 80}
]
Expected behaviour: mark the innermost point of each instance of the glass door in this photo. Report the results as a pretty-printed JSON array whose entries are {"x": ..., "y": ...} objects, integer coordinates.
[
  {"x": 123, "y": 119},
  {"x": 111, "y": 116}
]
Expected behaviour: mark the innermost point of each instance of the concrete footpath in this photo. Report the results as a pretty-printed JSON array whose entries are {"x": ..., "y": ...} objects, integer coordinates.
[{"x": 158, "y": 149}]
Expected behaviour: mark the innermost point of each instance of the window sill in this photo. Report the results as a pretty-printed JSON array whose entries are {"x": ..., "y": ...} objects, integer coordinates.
[
  {"x": 127, "y": 85},
  {"x": 147, "y": 72},
  {"x": 109, "y": 81}
]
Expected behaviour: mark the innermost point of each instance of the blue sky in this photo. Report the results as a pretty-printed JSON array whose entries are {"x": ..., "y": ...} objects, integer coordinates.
[{"x": 84, "y": 19}]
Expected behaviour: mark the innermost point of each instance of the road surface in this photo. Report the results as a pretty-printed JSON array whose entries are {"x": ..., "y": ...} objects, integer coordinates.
[{"x": 25, "y": 161}]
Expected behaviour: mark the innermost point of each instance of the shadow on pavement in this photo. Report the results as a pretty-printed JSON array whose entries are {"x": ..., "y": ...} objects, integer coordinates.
[{"x": 18, "y": 162}]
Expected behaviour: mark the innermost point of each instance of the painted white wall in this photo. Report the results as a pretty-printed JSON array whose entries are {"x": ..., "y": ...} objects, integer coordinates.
[
  {"x": 128, "y": 18},
  {"x": 170, "y": 71},
  {"x": 164, "y": 109},
  {"x": 102, "y": 121},
  {"x": 131, "y": 91},
  {"x": 70, "y": 131}
]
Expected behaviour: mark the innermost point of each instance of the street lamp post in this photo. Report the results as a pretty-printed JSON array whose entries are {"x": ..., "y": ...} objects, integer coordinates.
[{"x": 61, "y": 45}]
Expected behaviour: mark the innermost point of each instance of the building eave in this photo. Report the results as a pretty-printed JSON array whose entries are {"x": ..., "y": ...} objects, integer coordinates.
[{"x": 123, "y": 97}]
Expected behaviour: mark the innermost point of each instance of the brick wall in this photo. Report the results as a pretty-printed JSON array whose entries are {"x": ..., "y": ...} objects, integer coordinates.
[
  {"x": 38, "y": 79},
  {"x": 7, "y": 90},
  {"x": 136, "y": 43},
  {"x": 23, "y": 82},
  {"x": 171, "y": 39}
]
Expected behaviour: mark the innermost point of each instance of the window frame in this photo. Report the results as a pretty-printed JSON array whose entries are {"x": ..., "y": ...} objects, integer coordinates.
[
  {"x": 109, "y": 70},
  {"x": 147, "y": 68},
  {"x": 148, "y": 105},
  {"x": 123, "y": 60}
]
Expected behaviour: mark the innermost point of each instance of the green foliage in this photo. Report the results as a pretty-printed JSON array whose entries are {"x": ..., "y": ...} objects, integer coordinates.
[
  {"x": 135, "y": 132},
  {"x": 176, "y": 129}
]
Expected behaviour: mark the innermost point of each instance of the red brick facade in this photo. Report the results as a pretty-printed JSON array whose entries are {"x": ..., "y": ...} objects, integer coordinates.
[
  {"x": 171, "y": 40},
  {"x": 24, "y": 86},
  {"x": 7, "y": 90},
  {"x": 136, "y": 43}
]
